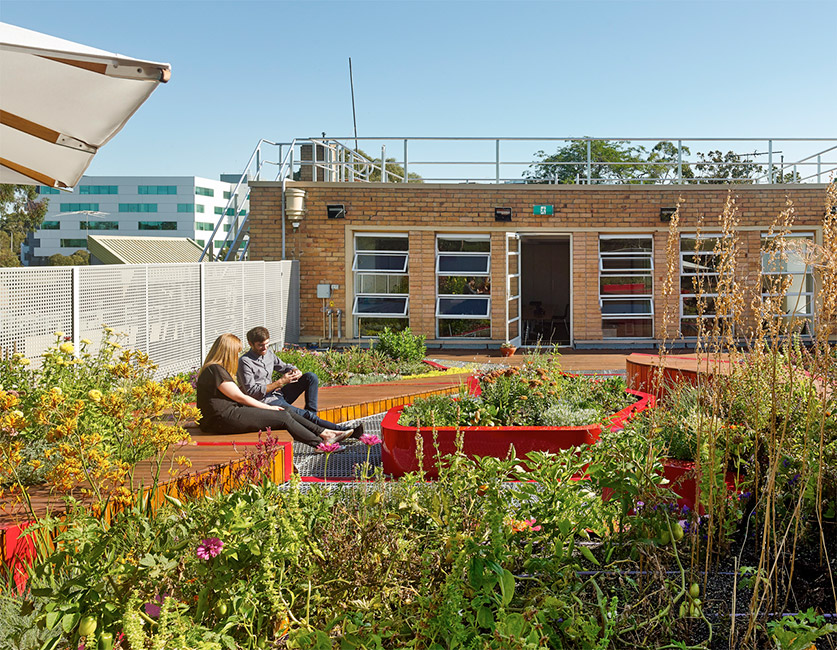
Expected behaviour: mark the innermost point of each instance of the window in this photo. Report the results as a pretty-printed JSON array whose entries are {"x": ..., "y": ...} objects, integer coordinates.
[
  {"x": 698, "y": 280},
  {"x": 185, "y": 207},
  {"x": 51, "y": 225},
  {"x": 242, "y": 213},
  {"x": 74, "y": 243},
  {"x": 463, "y": 287},
  {"x": 202, "y": 225},
  {"x": 227, "y": 194},
  {"x": 226, "y": 227},
  {"x": 626, "y": 286},
  {"x": 199, "y": 208},
  {"x": 381, "y": 283},
  {"x": 158, "y": 225},
  {"x": 218, "y": 209},
  {"x": 157, "y": 189},
  {"x": 787, "y": 278},
  {"x": 43, "y": 189},
  {"x": 230, "y": 212},
  {"x": 201, "y": 243},
  {"x": 98, "y": 189},
  {"x": 138, "y": 207},
  {"x": 79, "y": 207},
  {"x": 98, "y": 225},
  {"x": 204, "y": 191}
]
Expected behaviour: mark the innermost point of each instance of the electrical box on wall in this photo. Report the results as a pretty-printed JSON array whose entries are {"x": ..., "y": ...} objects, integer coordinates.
[{"x": 323, "y": 291}]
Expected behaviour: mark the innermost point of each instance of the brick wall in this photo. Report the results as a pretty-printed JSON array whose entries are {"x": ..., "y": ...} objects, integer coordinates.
[{"x": 323, "y": 246}]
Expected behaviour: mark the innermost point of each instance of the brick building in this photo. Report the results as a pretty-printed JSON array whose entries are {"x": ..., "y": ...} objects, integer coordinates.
[{"x": 469, "y": 264}]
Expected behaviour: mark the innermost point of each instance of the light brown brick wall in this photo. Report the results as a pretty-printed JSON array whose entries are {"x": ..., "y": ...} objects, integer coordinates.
[{"x": 323, "y": 246}]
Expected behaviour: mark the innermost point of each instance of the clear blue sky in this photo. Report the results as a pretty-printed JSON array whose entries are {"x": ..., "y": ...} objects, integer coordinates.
[{"x": 278, "y": 70}]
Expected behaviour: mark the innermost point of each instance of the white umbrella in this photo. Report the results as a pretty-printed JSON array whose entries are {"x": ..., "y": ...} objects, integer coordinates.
[{"x": 60, "y": 101}]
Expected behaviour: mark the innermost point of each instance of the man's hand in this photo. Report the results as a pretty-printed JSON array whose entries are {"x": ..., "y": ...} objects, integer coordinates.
[
  {"x": 293, "y": 376},
  {"x": 284, "y": 380}
]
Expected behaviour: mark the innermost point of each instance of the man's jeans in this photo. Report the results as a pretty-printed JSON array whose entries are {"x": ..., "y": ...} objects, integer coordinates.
[{"x": 309, "y": 385}]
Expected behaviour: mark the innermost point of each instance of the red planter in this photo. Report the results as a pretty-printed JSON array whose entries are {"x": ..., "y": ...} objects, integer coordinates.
[
  {"x": 682, "y": 481},
  {"x": 399, "y": 448}
]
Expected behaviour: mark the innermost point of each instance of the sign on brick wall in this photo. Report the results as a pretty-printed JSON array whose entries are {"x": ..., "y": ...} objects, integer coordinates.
[{"x": 542, "y": 210}]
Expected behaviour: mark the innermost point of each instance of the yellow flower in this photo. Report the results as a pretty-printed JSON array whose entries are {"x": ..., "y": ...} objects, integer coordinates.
[
  {"x": 95, "y": 395},
  {"x": 56, "y": 391},
  {"x": 59, "y": 334},
  {"x": 66, "y": 348},
  {"x": 86, "y": 341},
  {"x": 24, "y": 361}
]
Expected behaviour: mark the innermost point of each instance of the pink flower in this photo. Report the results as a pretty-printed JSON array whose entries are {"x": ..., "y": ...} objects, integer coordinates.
[
  {"x": 208, "y": 548},
  {"x": 328, "y": 447},
  {"x": 370, "y": 439},
  {"x": 531, "y": 523}
]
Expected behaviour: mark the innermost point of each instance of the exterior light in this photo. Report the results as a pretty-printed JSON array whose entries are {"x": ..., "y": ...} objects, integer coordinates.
[
  {"x": 295, "y": 205},
  {"x": 502, "y": 214}
]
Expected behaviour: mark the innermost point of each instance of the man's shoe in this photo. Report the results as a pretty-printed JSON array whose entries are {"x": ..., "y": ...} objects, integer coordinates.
[{"x": 357, "y": 432}]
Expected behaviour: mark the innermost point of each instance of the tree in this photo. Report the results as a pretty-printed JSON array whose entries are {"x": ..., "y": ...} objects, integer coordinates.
[
  {"x": 80, "y": 258},
  {"x": 718, "y": 168},
  {"x": 612, "y": 161},
  {"x": 20, "y": 213},
  {"x": 395, "y": 172}
]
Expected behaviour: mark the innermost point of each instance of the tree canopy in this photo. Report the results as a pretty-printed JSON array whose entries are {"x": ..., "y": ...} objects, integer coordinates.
[
  {"x": 21, "y": 212},
  {"x": 620, "y": 162}
]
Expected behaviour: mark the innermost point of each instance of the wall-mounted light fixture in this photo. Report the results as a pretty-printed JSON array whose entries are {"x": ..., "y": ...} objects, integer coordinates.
[
  {"x": 294, "y": 205},
  {"x": 502, "y": 214},
  {"x": 666, "y": 214},
  {"x": 336, "y": 211}
]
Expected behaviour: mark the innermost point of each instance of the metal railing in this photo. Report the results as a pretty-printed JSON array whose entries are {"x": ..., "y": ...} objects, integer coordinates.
[
  {"x": 173, "y": 312},
  {"x": 558, "y": 160}
]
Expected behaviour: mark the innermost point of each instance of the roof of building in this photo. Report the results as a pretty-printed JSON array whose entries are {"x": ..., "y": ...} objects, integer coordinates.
[{"x": 115, "y": 249}]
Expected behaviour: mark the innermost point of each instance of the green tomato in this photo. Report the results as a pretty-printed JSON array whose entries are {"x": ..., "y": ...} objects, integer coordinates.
[
  {"x": 220, "y": 608},
  {"x": 677, "y": 532},
  {"x": 664, "y": 538},
  {"x": 87, "y": 626},
  {"x": 682, "y": 611},
  {"x": 694, "y": 590},
  {"x": 261, "y": 643},
  {"x": 105, "y": 641}
]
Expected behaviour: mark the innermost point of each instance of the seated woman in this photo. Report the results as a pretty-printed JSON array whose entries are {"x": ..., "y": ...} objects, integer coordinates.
[{"x": 225, "y": 409}]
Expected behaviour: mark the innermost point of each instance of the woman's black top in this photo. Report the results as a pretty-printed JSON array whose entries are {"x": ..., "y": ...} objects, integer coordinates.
[{"x": 215, "y": 407}]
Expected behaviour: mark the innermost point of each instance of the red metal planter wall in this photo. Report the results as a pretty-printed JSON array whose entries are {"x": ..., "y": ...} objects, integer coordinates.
[{"x": 399, "y": 454}]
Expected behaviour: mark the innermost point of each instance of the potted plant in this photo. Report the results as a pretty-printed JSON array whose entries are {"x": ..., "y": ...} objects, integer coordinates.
[{"x": 507, "y": 348}]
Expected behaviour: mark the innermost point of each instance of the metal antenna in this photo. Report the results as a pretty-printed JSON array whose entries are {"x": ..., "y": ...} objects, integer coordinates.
[{"x": 354, "y": 114}]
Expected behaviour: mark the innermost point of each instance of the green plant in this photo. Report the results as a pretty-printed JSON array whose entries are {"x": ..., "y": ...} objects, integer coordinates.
[
  {"x": 402, "y": 345},
  {"x": 800, "y": 631}
]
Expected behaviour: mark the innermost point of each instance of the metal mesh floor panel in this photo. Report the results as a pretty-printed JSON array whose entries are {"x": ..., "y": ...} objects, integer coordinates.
[{"x": 341, "y": 464}]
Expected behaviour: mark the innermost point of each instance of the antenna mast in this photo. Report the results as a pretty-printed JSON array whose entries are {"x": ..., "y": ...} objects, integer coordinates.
[{"x": 354, "y": 114}]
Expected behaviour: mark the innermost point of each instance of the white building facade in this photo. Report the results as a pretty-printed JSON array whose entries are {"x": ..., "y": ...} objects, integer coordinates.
[{"x": 167, "y": 206}]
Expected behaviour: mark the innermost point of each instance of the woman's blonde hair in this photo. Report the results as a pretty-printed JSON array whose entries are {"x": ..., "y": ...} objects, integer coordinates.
[{"x": 224, "y": 352}]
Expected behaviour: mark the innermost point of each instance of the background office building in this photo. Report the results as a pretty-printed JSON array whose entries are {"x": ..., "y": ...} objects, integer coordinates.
[{"x": 165, "y": 206}]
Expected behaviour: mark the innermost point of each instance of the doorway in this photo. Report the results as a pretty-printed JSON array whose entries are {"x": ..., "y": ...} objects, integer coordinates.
[{"x": 545, "y": 290}]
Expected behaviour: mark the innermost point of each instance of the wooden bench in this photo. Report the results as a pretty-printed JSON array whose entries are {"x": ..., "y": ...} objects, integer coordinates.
[{"x": 202, "y": 438}]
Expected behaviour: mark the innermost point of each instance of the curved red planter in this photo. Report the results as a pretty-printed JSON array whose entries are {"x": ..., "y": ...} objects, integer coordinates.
[
  {"x": 399, "y": 447},
  {"x": 682, "y": 481}
]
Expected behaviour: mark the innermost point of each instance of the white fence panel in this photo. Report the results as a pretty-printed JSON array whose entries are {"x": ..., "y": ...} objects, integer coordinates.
[{"x": 166, "y": 310}]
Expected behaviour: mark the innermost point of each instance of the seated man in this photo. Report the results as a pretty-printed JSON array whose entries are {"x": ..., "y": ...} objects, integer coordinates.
[{"x": 255, "y": 378}]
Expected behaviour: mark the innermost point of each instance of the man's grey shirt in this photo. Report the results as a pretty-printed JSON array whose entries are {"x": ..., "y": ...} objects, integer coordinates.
[{"x": 255, "y": 372}]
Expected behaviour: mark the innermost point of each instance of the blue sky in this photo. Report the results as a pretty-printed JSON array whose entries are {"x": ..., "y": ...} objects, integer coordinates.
[{"x": 278, "y": 70}]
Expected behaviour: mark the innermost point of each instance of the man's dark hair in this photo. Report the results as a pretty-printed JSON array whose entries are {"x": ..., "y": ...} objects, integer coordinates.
[{"x": 257, "y": 335}]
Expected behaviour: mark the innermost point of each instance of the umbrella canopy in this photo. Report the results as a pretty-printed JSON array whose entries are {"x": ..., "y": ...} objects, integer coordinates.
[{"x": 61, "y": 101}]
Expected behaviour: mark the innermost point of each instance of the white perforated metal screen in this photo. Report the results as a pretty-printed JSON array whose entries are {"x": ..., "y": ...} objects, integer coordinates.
[
  {"x": 34, "y": 304},
  {"x": 159, "y": 307}
]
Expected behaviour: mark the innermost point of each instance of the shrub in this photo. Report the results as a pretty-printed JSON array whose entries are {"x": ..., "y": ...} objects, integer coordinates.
[{"x": 403, "y": 345}]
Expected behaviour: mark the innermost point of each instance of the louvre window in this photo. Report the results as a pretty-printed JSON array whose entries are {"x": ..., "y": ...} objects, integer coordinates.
[
  {"x": 463, "y": 289},
  {"x": 626, "y": 286},
  {"x": 699, "y": 262},
  {"x": 381, "y": 283},
  {"x": 787, "y": 279}
]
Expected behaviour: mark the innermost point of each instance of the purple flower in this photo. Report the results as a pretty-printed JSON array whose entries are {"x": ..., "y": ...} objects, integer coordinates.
[
  {"x": 328, "y": 447},
  {"x": 208, "y": 548},
  {"x": 153, "y": 608},
  {"x": 370, "y": 439}
]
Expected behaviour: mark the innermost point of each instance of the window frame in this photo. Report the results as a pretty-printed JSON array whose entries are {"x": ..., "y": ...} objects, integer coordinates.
[
  {"x": 442, "y": 298},
  {"x": 360, "y": 296},
  {"x": 690, "y": 254},
  {"x": 807, "y": 276},
  {"x": 645, "y": 297}
]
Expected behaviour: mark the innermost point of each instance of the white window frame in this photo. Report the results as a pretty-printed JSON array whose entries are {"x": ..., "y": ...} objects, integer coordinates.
[
  {"x": 486, "y": 272},
  {"x": 647, "y": 297},
  {"x": 404, "y": 271},
  {"x": 808, "y": 273},
  {"x": 690, "y": 254}
]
